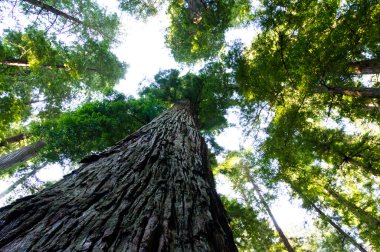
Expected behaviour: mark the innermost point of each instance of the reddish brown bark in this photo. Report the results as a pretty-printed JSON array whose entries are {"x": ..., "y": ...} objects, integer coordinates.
[{"x": 153, "y": 191}]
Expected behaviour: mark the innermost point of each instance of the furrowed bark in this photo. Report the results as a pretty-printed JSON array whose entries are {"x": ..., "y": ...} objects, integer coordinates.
[
  {"x": 51, "y": 9},
  {"x": 20, "y": 155},
  {"x": 153, "y": 191},
  {"x": 371, "y": 66}
]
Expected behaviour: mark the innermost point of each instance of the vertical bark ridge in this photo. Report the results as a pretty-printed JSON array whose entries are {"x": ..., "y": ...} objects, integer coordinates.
[{"x": 153, "y": 191}]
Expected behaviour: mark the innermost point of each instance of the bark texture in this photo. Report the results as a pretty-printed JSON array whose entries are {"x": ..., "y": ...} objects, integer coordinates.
[
  {"x": 153, "y": 191},
  {"x": 21, "y": 155}
]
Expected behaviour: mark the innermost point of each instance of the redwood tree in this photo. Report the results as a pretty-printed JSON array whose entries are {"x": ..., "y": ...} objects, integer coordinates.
[{"x": 152, "y": 191}]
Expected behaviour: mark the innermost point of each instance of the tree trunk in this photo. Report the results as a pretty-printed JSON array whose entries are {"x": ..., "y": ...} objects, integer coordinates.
[
  {"x": 360, "y": 213},
  {"x": 329, "y": 220},
  {"x": 353, "y": 91},
  {"x": 337, "y": 227},
  {"x": 371, "y": 66},
  {"x": 22, "y": 180},
  {"x": 51, "y": 9},
  {"x": 13, "y": 139},
  {"x": 152, "y": 191},
  {"x": 25, "y": 64},
  {"x": 267, "y": 208},
  {"x": 20, "y": 155}
]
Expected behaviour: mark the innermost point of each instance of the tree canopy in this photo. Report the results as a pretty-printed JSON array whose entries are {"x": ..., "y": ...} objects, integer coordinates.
[{"x": 307, "y": 89}]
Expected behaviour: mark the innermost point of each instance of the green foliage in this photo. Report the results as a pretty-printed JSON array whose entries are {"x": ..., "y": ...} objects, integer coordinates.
[
  {"x": 141, "y": 9},
  {"x": 85, "y": 19},
  {"x": 35, "y": 68},
  {"x": 193, "y": 23},
  {"x": 210, "y": 93},
  {"x": 93, "y": 127},
  {"x": 251, "y": 232},
  {"x": 197, "y": 27}
]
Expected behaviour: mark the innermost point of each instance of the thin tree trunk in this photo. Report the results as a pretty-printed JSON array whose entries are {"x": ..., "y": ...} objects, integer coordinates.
[
  {"x": 337, "y": 227},
  {"x": 371, "y": 66},
  {"x": 25, "y": 64},
  {"x": 20, "y": 155},
  {"x": 13, "y": 139},
  {"x": 153, "y": 191},
  {"x": 267, "y": 208},
  {"x": 51, "y": 9},
  {"x": 352, "y": 91},
  {"x": 329, "y": 220},
  {"x": 361, "y": 214},
  {"x": 22, "y": 180}
]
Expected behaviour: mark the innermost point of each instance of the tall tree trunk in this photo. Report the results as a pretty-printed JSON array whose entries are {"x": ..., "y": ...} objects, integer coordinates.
[
  {"x": 13, "y": 139},
  {"x": 267, "y": 208},
  {"x": 20, "y": 155},
  {"x": 25, "y": 64},
  {"x": 337, "y": 227},
  {"x": 329, "y": 220},
  {"x": 153, "y": 191},
  {"x": 352, "y": 91},
  {"x": 371, "y": 66},
  {"x": 51, "y": 9},
  {"x": 22, "y": 180},
  {"x": 360, "y": 213}
]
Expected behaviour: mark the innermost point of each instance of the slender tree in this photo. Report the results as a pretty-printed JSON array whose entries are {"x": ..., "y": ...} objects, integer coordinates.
[
  {"x": 262, "y": 200},
  {"x": 20, "y": 155},
  {"x": 238, "y": 169}
]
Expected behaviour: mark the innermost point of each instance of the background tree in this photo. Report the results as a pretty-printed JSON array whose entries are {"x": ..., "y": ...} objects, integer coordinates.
[
  {"x": 193, "y": 23},
  {"x": 251, "y": 231},
  {"x": 36, "y": 69},
  {"x": 78, "y": 20}
]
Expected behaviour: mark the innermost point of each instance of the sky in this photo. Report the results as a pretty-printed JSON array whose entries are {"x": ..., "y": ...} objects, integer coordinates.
[{"x": 142, "y": 47}]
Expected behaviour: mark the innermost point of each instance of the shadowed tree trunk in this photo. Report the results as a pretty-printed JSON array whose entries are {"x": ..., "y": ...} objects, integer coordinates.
[
  {"x": 51, "y": 9},
  {"x": 360, "y": 213},
  {"x": 152, "y": 191},
  {"x": 267, "y": 209},
  {"x": 25, "y": 64},
  {"x": 13, "y": 139},
  {"x": 337, "y": 227},
  {"x": 352, "y": 91},
  {"x": 371, "y": 66},
  {"x": 22, "y": 180},
  {"x": 21, "y": 155},
  {"x": 329, "y": 220}
]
